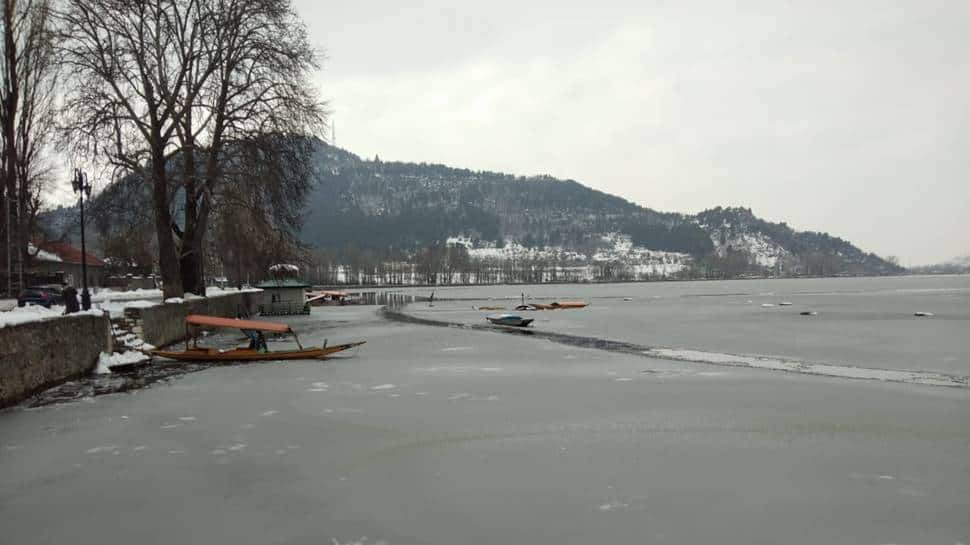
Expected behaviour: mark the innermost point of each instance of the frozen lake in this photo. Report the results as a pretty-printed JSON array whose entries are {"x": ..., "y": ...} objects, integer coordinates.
[
  {"x": 864, "y": 322},
  {"x": 432, "y": 435}
]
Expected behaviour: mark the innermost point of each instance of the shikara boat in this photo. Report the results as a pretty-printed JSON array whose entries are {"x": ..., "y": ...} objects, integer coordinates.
[
  {"x": 318, "y": 298},
  {"x": 509, "y": 320},
  {"x": 253, "y": 329}
]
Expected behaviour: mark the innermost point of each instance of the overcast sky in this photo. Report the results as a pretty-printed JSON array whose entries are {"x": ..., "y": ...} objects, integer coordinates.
[{"x": 846, "y": 117}]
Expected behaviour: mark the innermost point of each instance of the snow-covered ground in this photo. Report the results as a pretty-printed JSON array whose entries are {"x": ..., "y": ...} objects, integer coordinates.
[
  {"x": 108, "y": 294},
  {"x": 107, "y": 300},
  {"x": 616, "y": 248},
  {"x": 763, "y": 250},
  {"x": 730, "y": 237},
  {"x": 643, "y": 261},
  {"x": 117, "y": 309},
  {"x": 514, "y": 250},
  {"x": 34, "y": 313}
]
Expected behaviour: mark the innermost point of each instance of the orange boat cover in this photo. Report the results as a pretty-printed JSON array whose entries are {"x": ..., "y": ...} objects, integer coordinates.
[{"x": 198, "y": 319}]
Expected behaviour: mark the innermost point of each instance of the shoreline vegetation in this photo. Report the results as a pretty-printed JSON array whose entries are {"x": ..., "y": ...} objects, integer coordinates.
[{"x": 359, "y": 285}]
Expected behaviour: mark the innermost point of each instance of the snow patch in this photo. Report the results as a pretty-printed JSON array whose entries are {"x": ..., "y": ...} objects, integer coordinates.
[
  {"x": 779, "y": 364},
  {"x": 106, "y": 361}
]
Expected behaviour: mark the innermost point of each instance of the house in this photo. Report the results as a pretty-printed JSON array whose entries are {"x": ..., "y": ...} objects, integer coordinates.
[
  {"x": 284, "y": 292},
  {"x": 58, "y": 261},
  {"x": 283, "y": 296}
]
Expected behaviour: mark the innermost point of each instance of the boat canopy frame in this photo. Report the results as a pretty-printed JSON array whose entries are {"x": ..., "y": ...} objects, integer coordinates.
[{"x": 201, "y": 320}]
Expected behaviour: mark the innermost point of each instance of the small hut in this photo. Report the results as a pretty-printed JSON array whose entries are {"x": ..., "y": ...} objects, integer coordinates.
[{"x": 284, "y": 292}]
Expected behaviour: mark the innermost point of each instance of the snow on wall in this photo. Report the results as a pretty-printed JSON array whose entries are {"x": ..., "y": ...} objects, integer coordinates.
[{"x": 35, "y": 313}]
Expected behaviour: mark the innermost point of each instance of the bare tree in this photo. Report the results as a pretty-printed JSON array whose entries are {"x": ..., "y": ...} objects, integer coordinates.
[
  {"x": 178, "y": 87},
  {"x": 122, "y": 70},
  {"x": 258, "y": 104},
  {"x": 27, "y": 82}
]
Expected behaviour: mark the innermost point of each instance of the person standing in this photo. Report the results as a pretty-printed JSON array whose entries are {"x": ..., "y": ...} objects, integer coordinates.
[{"x": 71, "y": 304}]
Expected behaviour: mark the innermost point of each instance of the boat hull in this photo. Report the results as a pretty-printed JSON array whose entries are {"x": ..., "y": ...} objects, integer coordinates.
[
  {"x": 518, "y": 322},
  {"x": 245, "y": 354}
]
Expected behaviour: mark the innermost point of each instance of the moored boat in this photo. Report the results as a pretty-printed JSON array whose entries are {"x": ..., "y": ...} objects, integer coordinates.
[
  {"x": 509, "y": 320},
  {"x": 257, "y": 350},
  {"x": 248, "y": 354},
  {"x": 327, "y": 297}
]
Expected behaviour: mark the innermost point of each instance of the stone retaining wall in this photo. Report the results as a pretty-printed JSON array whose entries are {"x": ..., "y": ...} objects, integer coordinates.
[
  {"x": 37, "y": 355},
  {"x": 165, "y": 324}
]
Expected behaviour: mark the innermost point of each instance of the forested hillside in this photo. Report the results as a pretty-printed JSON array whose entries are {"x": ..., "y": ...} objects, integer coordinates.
[
  {"x": 385, "y": 210},
  {"x": 408, "y": 206}
]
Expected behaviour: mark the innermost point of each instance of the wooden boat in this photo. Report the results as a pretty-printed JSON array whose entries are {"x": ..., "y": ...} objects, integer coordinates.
[
  {"x": 248, "y": 354},
  {"x": 509, "y": 320},
  {"x": 319, "y": 298},
  {"x": 197, "y": 353}
]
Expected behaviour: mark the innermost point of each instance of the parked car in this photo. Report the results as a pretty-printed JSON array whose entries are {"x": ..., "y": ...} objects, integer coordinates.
[{"x": 44, "y": 296}]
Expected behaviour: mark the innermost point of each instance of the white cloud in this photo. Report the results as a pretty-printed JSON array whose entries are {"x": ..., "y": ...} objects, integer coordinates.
[{"x": 837, "y": 119}]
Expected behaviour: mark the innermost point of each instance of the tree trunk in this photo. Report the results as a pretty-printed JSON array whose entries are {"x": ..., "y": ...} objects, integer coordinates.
[
  {"x": 168, "y": 262},
  {"x": 189, "y": 258},
  {"x": 190, "y": 267},
  {"x": 192, "y": 258}
]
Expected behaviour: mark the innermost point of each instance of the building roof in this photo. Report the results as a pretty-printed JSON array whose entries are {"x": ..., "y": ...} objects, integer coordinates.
[
  {"x": 66, "y": 253},
  {"x": 282, "y": 283}
]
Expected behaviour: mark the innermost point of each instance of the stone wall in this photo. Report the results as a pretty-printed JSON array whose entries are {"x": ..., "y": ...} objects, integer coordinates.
[
  {"x": 37, "y": 355},
  {"x": 165, "y": 324}
]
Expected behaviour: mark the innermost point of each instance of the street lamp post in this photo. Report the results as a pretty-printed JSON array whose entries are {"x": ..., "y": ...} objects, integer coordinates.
[{"x": 81, "y": 185}]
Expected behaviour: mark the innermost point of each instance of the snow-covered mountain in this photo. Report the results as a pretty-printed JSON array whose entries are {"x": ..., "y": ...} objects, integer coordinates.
[{"x": 403, "y": 207}]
